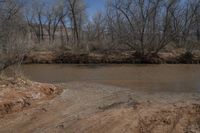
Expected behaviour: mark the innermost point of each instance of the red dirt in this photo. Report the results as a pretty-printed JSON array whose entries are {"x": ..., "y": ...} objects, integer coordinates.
[
  {"x": 16, "y": 95},
  {"x": 95, "y": 108}
]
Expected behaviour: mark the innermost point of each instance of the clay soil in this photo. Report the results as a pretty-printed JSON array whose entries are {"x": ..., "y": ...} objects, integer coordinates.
[
  {"x": 19, "y": 94},
  {"x": 83, "y": 107}
]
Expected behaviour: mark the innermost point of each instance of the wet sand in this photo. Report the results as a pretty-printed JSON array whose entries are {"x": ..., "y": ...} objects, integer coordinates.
[{"x": 95, "y": 108}]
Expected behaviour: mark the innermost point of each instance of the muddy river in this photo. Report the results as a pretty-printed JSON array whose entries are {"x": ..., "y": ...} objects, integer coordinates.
[{"x": 152, "y": 78}]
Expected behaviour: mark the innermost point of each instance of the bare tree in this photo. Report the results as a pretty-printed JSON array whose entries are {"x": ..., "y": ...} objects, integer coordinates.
[
  {"x": 13, "y": 33},
  {"x": 76, "y": 12},
  {"x": 145, "y": 25},
  {"x": 190, "y": 25},
  {"x": 35, "y": 17},
  {"x": 55, "y": 14}
]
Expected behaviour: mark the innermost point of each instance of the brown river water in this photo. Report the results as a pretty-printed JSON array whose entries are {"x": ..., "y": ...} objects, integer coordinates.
[{"x": 153, "y": 78}]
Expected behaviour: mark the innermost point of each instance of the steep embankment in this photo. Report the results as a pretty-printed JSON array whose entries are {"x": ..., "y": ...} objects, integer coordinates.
[
  {"x": 129, "y": 57},
  {"x": 94, "y": 108}
]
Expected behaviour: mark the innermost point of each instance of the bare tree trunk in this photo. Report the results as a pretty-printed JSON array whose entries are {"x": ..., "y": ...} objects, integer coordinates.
[{"x": 66, "y": 30}]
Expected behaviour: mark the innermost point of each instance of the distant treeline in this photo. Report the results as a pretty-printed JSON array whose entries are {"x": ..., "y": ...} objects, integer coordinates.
[{"x": 144, "y": 26}]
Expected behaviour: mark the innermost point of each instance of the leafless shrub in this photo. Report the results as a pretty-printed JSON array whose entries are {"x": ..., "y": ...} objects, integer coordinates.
[
  {"x": 13, "y": 34},
  {"x": 143, "y": 26}
]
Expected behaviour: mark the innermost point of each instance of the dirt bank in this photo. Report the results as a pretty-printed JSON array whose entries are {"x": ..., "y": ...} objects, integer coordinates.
[
  {"x": 19, "y": 94},
  {"x": 119, "y": 57},
  {"x": 95, "y": 108}
]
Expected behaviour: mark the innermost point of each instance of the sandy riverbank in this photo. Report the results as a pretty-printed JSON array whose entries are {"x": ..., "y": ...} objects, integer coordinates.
[{"x": 96, "y": 108}]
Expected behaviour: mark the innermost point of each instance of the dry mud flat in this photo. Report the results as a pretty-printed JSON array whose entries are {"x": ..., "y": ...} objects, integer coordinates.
[{"x": 94, "y": 108}]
